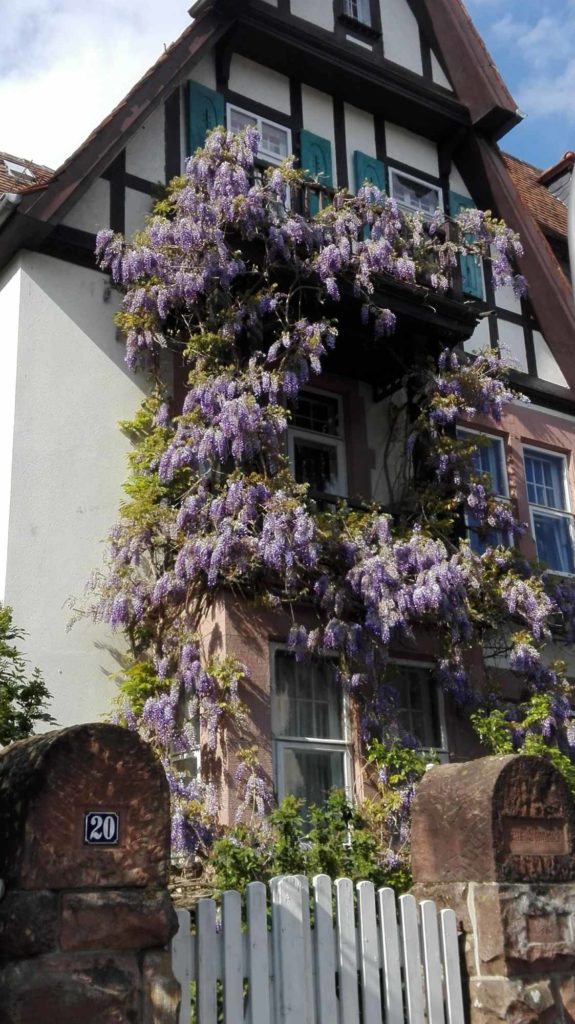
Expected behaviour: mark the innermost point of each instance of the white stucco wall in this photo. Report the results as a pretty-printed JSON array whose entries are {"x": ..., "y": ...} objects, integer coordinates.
[
  {"x": 456, "y": 182},
  {"x": 547, "y": 366},
  {"x": 145, "y": 152},
  {"x": 68, "y": 467},
  {"x": 480, "y": 338},
  {"x": 438, "y": 74},
  {"x": 411, "y": 149},
  {"x": 92, "y": 211},
  {"x": 386, "y": 438},
  {"x": 319, "y": 12},
  {"x": 138, "y": 206},
  {"x": 204, "y": 71},
  {"x": 512, "y": 343},
  {"x": 9, "y": 316},
  {"x": 359, "y": 134},
  {"x": 401, "y": 35},
  {"x": 259, "y": 83},
  {"x": 318, "y": 118}
]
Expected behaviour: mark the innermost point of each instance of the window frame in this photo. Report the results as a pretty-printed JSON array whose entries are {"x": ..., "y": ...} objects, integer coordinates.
[
  {"x": 418, "y": 181},
  {"x": 506, "y": 497},
  {"x": 313, "y": 743},
  {"x": 436, "y": 695},
  {"x": 564, "y": 514},
  {"x": 264, "y": 157},
  {"x": 337, "y": 440}
]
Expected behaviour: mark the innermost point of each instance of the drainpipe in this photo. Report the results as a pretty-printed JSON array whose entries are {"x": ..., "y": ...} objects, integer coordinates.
[
  {"x": 8, "y": 202},
  {"x": 571, "y": 227}
]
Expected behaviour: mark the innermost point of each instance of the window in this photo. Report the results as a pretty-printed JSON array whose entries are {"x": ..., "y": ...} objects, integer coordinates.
[
  {"x": 275, "y": 140},
  {"x": 316, "y": 444},
  {"x": 309, "y": 725},
  {"x": 414, "y": 195},
  {"x": 420, "y": 706},
  {"x": 548, "y": 507},
  {"x": 488, "y": 461},
  {"x": 16, "y": 170},
  {"x": 359, "y": 10}
]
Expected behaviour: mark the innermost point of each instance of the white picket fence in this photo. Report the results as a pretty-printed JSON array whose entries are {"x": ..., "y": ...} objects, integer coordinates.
[{"x": 398, "y": 963}]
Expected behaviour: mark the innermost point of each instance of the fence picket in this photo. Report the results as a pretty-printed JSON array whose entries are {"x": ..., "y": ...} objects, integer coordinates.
[
  {"x": 451, "y": 966},
  {"x": 369, "y": 953},
  {"x": 324, "y": 950},
  {"x": 432, "y": 962},
  {"x": 392, "y": 987},
  {"x": 207, "y": 961},
  {"x": 182, "y": 963},
  {"x": 346, "y": 952},
  {"x": 411, "y": 959},
  {"x": 288, "y": 947},
  {"x": 296, "y": 977},
  {"x": 308, "y": 959},
  {"x": 232, "y": 957},
  {"x": 258, "y": 969}
]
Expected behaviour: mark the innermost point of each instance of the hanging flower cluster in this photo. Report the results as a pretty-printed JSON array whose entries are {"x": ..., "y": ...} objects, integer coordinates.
[{"x": 237, "y": 283}]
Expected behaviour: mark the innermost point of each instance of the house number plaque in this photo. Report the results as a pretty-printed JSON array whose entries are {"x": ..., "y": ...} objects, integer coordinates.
[{"x": 101, "y": 828}]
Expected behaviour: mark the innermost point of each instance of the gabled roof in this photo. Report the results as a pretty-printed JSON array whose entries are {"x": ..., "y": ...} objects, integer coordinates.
[
  {"x": 471, "y": 68},
  {"x": 549, "y": 212},
  {"x": 18, "y": 175}
]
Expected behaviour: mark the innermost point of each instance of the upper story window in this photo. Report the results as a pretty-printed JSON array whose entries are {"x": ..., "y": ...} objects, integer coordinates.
[
  {"x": 420, "y": 707},
  {"x": 316, "y": 444},
  {"x": 414, "y": 195},
  {"x": 275, "y": 140},
  {"x": 545, "y": 475},
  {"x": 488, "y": 462},
  {"x": 310, "y": 728},
  {"x": 359, "y": 10}
]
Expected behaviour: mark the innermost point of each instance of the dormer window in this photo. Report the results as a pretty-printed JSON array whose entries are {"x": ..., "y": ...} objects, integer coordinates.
[
  {"x": 275, "y": 140},
  {"x": 19, "y": 171},
  {"x": 413, "y": 194},
  {"x": 358, "y": 10}
]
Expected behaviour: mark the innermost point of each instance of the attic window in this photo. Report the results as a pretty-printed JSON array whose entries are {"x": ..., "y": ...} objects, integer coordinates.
[
  {"x": 359, "y": 10},
  {"x": 18, "y": 170}
]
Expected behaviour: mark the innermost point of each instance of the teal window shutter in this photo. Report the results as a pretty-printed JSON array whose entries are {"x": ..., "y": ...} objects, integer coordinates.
[
  {"x": 367, "y": 168},
  {"x": 206, "y": 109},
  {"x": 471, "y": 273},
  {"x": 315, "y": 159}
]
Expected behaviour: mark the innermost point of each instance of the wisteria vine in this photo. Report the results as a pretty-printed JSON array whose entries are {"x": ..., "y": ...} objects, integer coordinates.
[{"x": 244, "y": 290}]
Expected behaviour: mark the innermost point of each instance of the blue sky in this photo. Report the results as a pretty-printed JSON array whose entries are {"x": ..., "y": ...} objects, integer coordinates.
[
  {"x": 64, "y": 65},
  {"x": 533, "y": 44}
]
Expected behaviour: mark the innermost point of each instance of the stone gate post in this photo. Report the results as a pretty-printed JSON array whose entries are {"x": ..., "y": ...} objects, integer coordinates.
[
  {"x": 84, "y": 855},
  {"x": 494, "y": 840}
]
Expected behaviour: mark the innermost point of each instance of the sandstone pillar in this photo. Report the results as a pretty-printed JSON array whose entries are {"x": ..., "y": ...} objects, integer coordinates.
[
  {"x": 494, "y": 839},
  {"x": 84, "y": 855}
]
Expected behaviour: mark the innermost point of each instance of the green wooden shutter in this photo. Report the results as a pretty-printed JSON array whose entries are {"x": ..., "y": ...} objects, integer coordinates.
[
  {"x": 315, "y": 159},
  {"x": 206, "y": 109},
  {"x": 367, "y": 168},
  {"x": 471, "y": 272}
]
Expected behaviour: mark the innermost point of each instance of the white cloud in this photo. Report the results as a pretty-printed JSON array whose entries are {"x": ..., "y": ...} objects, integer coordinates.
[
  {"x": 63, "y": 67},
  {"x": 546, "y": 94}
]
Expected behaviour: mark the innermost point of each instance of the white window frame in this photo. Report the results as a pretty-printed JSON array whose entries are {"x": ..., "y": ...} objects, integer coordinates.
[
  {"x": 548, "y": 510},
  {"x": 270, "y": 158},
  {"x": 393, "y": 171},
  {"x": 362, "y": 6},
  {"x": 280, "y": 743},
  {"x": 336, "y": 440},
  {"x": 505, "y": 497},
  {"x": 436, "y": 693}
]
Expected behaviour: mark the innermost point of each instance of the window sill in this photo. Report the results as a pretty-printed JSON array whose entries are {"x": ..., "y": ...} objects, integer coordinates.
[{"x": 359, "y": 26}]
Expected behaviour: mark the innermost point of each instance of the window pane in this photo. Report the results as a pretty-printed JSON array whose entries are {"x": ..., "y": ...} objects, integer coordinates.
[
  {"x": 553, "y": 540},
  {"x": 284, "y": 702},
  {"x": 415, "y": 194},
  {"x": 316, "y": 464},
  {"x": 274, "y": 140},
  {"x": 307, "y": 700},
  {"x": 544, "y": 475},
  {"x": 480, "y": 540},
  {"x": 417, "y": 705},
  {"x": 310, "y": 774},
  {"x": 317, "y": 412},
  {"x": 239, "y": 120}
]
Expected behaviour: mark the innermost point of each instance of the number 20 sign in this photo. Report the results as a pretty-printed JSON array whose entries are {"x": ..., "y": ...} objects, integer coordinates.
[{"x": 101, "y": 828}]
